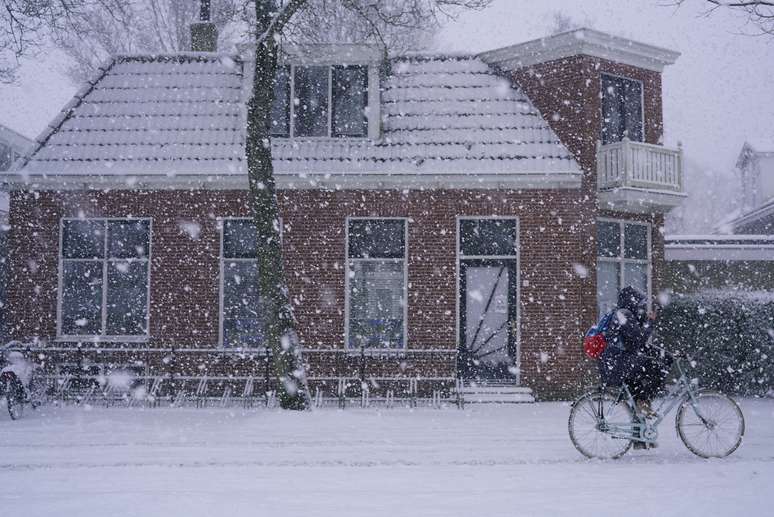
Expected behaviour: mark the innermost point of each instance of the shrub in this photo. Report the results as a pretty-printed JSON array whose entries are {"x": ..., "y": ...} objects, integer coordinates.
[{"x": 729, "y": 336}]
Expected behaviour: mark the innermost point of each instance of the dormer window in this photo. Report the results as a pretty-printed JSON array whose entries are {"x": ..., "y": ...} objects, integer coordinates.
[
  {"x": 621, "y": 109},
  {"x": 320, "y": 101}
]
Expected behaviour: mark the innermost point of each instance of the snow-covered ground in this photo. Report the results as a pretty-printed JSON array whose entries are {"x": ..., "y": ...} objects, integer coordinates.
[{"x": 488, "y": 461}]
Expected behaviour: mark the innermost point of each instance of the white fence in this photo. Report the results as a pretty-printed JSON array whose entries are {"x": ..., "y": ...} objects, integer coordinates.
[{"x": 639, "y": 165}]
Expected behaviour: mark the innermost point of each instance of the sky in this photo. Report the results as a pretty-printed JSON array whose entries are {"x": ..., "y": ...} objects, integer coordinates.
[{"x": 718, "y": 94}]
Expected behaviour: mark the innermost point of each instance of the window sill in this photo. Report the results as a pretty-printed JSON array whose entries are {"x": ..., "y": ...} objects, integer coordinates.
[
  {"x": 322, "y": 138},
  {"x": 102, "y": 339}
]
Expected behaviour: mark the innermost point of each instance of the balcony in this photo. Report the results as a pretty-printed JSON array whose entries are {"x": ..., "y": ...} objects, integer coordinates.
[{"x": 639, "y": 177}]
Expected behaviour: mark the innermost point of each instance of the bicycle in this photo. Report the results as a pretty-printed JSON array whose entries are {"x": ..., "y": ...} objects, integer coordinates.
[{"x": 605, "y": 423}]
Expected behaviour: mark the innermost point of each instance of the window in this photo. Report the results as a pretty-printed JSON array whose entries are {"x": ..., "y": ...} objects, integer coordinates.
[
  {"x": 621, "y": 109},
  {"x": 488, "y": 237},
  {"x": 623, "y": 259},
  {"x": 104, "y": 277},
  {"x": 320, "y": 101},
  {"x": 242, "y": 325},
  {"x": 376, "y": 283}
]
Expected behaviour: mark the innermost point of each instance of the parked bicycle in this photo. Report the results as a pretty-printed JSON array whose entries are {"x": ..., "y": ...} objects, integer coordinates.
[
  {"x": 21, "y": 382},
  {"x": 605, "y": 422}
]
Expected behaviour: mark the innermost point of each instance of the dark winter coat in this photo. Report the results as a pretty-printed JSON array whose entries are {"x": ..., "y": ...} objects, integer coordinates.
[{"x": 624, "y": 359}]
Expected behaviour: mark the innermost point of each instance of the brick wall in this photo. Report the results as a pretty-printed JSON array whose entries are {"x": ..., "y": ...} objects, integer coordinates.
[
  {"x": 568, "y": 93},
  {"x": 185, "y": 284}
]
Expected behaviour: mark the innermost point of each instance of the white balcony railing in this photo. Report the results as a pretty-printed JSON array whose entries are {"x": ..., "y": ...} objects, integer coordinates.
[{"x": 639, "y": 165}]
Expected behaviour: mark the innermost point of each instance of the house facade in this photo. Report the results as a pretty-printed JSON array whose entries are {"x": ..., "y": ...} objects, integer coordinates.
[{"x": 443, "y": 218}]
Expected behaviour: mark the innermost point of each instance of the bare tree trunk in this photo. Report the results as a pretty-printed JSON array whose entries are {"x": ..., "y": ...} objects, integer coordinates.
[{"x": 279, "y": 329}]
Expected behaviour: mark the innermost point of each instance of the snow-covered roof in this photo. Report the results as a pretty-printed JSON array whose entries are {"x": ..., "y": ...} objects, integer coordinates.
[
  {"x": 581, "y": 41},
  {"x": 157, "y": 119},
  {"x": 714, "y": 247},
  {"x": 17, "y": 141},
  {"x": 764, "y": 211}
]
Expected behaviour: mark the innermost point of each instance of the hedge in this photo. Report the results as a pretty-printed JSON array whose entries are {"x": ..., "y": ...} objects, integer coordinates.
[{"x": 728, "y": 335}]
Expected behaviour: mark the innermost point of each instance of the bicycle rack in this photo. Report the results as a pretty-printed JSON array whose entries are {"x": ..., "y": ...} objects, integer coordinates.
[
  {"x": 365, "y": 394},
  {"x": 413, "y": 392},
  {"x": 341, "y": 392},
  {"x": 201, "y": 392},
  {"x": 151, "y": 398},
  {"x": 247, "y": 393},
  {"x": 226, "y": 397}
]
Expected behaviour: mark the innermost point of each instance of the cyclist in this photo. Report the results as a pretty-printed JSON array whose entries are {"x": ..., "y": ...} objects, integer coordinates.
[{"x": 627, "y": 358}]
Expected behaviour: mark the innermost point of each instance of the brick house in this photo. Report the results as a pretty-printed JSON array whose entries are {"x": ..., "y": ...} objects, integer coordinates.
[{"x": 443, "y": 217}]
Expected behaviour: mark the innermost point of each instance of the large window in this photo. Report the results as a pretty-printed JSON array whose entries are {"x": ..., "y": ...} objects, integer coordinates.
[
  {"x": 104, "y": 278},
  {"x": 242, "y": 325},
  {"x": 621, "y": 109},
  {"x": 320, "y": 101},
  {"x": 376, "y": 283},
  {"x": 623, "y": 259}
]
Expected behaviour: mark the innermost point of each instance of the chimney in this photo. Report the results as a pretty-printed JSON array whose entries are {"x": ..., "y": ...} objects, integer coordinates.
[{"x": 204, "y": 34}]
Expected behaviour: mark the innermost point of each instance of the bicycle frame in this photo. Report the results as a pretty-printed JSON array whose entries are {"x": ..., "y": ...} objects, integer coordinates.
[{"x": 642, "y": 430}]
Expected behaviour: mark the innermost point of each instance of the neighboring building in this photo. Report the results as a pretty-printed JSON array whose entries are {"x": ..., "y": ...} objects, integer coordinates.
[
  {"x": 733, "y": 262},
  {"x": 12, "y": 147},
  {"x": 741, "y": 256},
  {"x": 447, "y": 217}
]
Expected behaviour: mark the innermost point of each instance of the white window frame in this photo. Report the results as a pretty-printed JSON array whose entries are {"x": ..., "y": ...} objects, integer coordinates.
[
  {"x": 602, "y": 105},
  {"x": 367, "y": 116},
  {"x": 621, "y": 260},
  {"x": 405, "y": 258},
  {"x": 517, "y": 257},
  {"x": 105, "y": 261}
]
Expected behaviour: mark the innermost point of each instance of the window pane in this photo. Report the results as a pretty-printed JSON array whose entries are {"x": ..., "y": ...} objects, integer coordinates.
[
  {"x": 488, "y": 237},
  {"x": 280, "y": 110},
  {"x": 377, "y": 238},
  {"x": 608, "y": 239},
  {"x": 240, "y": 239},
  {"x": 127, "y": 298},
  {"x": 242, "y": 325},
  {"x": 636, "y": 275},
  {"x": 632, "y": 109},
  {"x": 81, "y": 298},
  {"x": 636, "y": 241},
  {"x": 83, "y": 239},
  {"x": 612, "y": 118},
  {"x": 311, "y": 102},
  {"x": 608, "y": 274},
  {"x": 350, "y": 97},
  {"x": 128, "y": 239},
  {"x": 376, "y": 304}
]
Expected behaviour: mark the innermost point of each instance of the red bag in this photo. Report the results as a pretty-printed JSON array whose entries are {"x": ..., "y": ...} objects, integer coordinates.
[{"x": 595, "y": 342}]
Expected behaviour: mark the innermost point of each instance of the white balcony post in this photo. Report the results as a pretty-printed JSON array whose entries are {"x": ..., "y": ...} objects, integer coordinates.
[
  {"x": 679, "y": 167},
  {"x": 601, "y": 166},
  {"x": 628, "y": 160}
]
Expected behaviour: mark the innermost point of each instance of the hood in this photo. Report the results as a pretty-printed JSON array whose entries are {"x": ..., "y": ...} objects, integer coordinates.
[{"x": 631, "y": 298}]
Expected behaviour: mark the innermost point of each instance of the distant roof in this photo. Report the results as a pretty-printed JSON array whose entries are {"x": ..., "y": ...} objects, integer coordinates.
[
  {"x": 184, "y": 115},
  {"x": 19, "y": 142},
  {"x": 759, "y": 213},
  {"x": 719, "y": 247}
]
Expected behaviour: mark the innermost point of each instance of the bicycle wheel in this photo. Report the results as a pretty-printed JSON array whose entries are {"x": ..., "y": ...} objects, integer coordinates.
[
  {"x": 712, "y": 427},
  {"x": 591, "y": 418}
]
